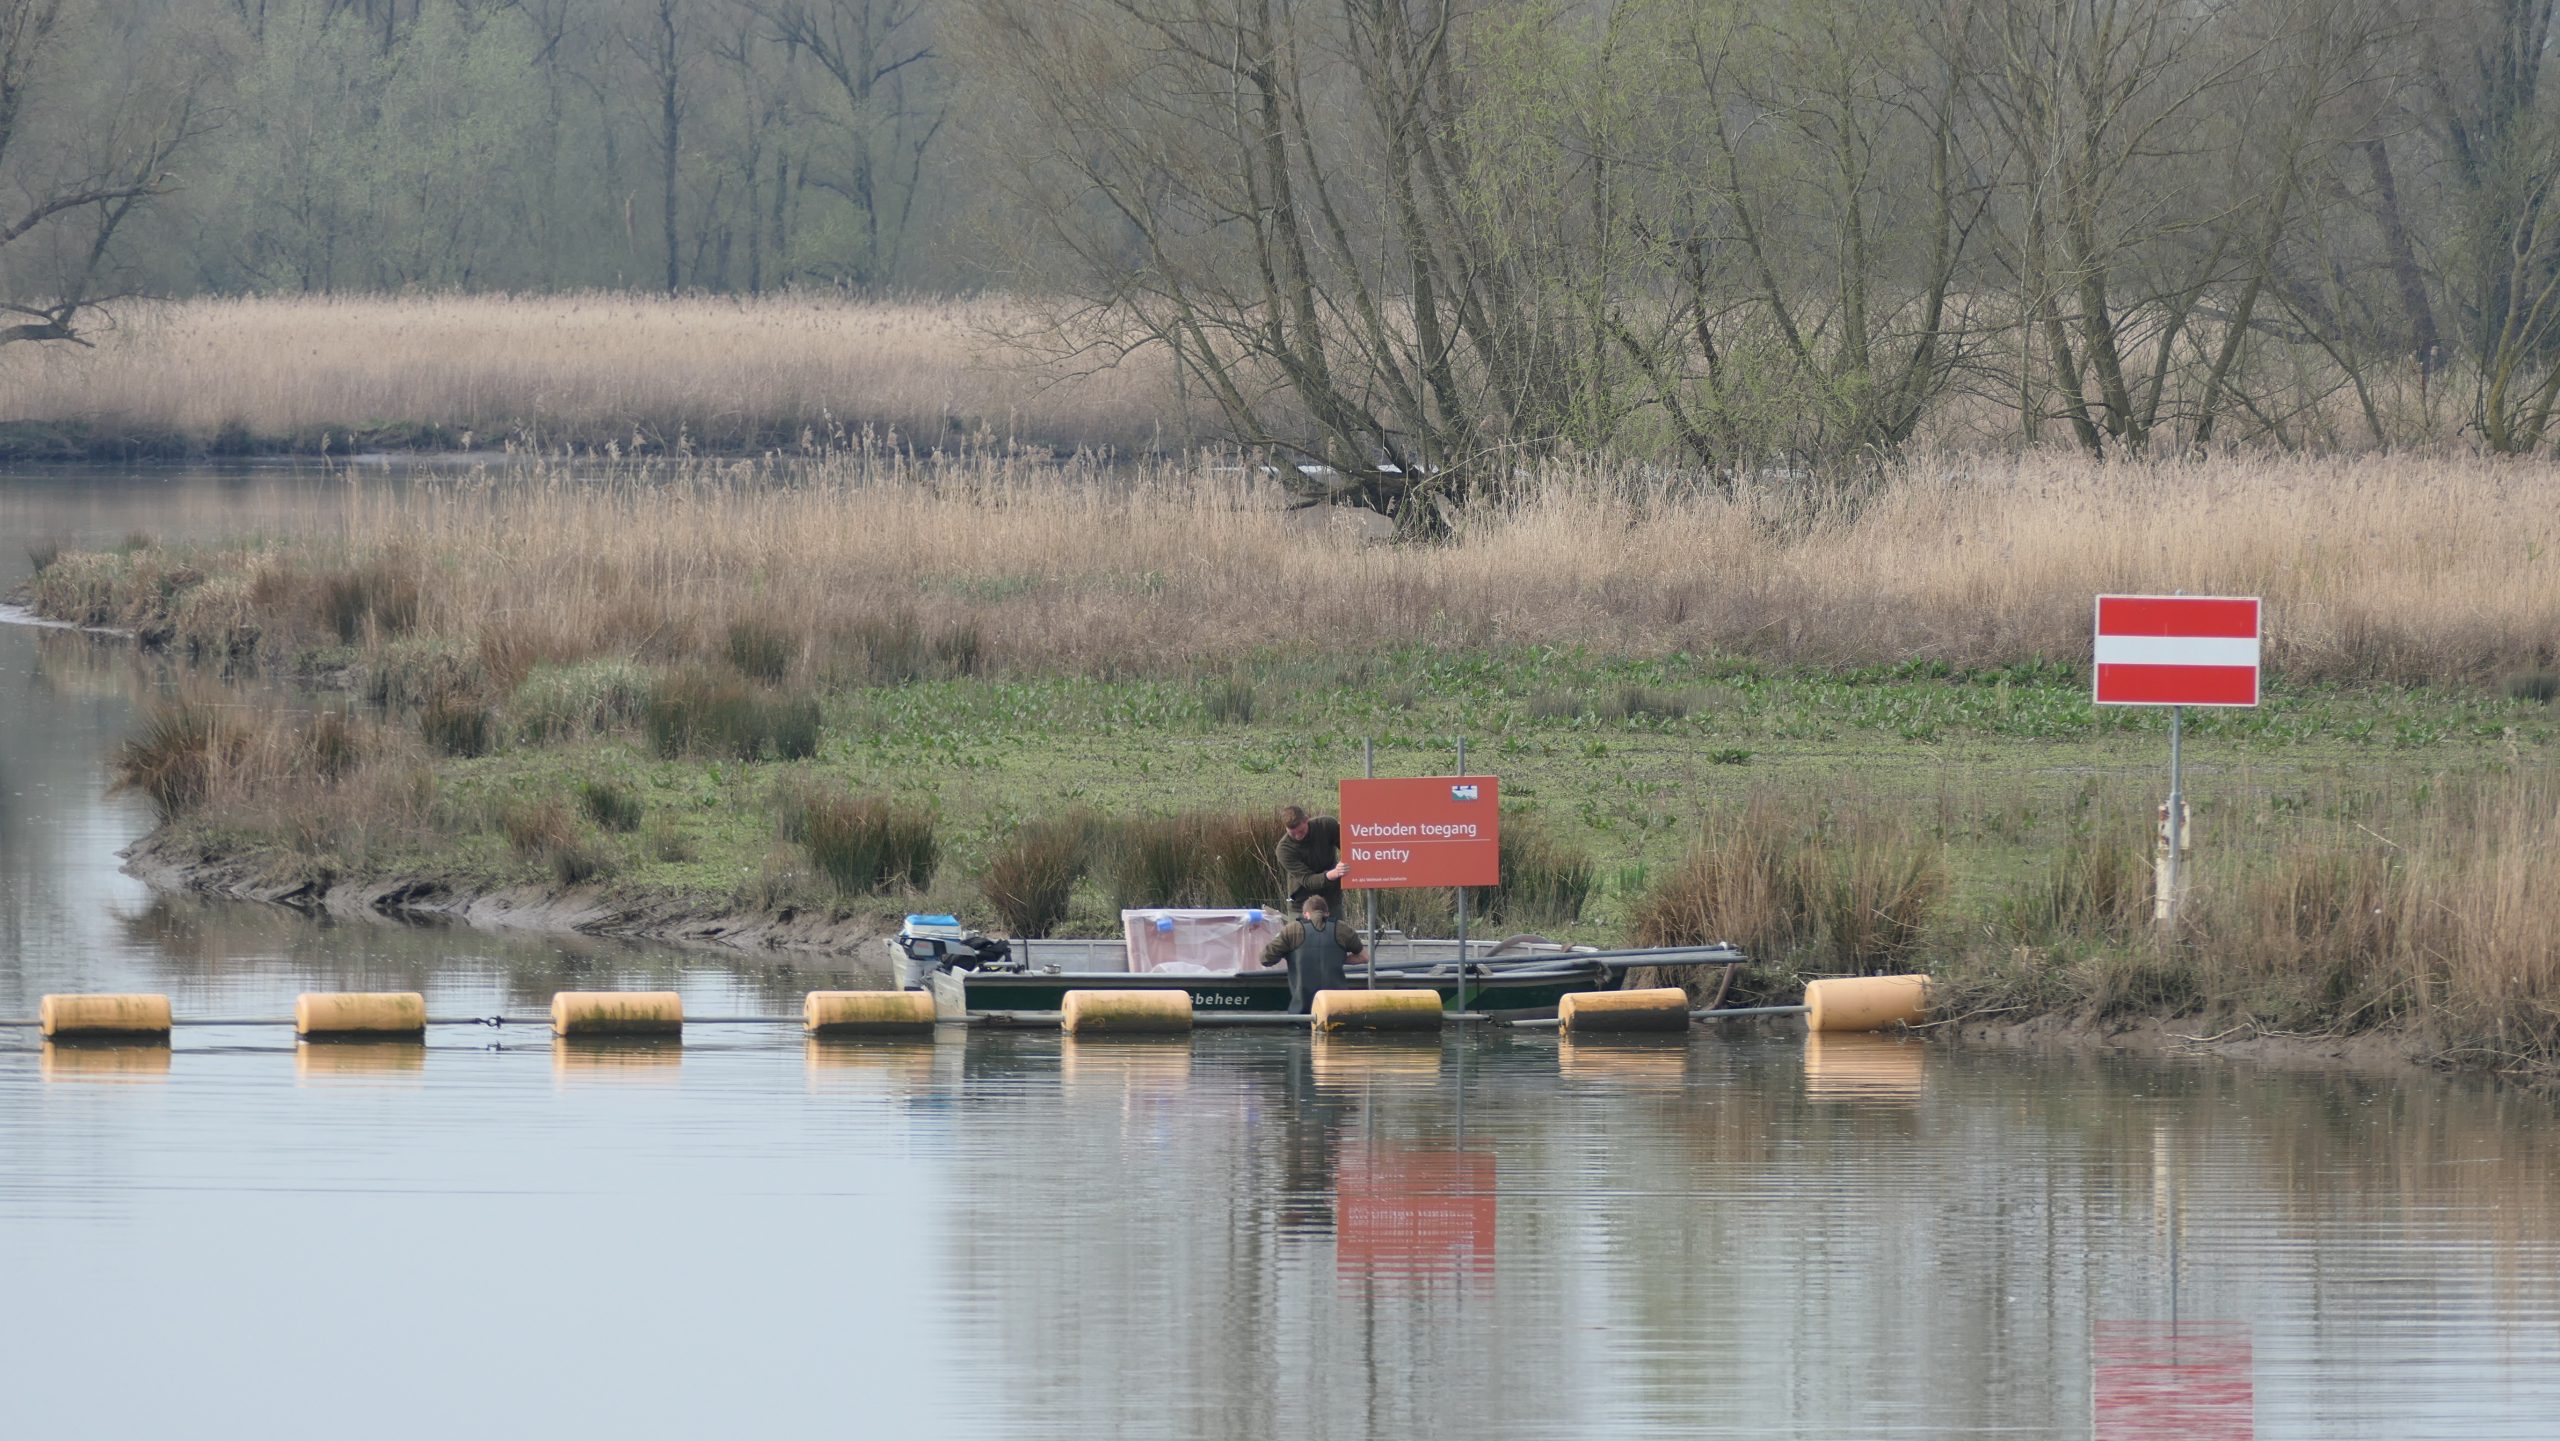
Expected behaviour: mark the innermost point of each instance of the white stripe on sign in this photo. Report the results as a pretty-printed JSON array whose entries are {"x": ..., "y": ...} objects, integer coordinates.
[{"x": 2177, "y": 650}]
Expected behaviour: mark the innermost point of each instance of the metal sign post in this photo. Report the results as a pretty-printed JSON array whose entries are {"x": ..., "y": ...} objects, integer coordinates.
[
  {"x": 1462, "y": 902},
  {"x": 2177, "y": 651},
  {"x": 1342, "y": 848},
  {"x": 2177, "y": 820}
]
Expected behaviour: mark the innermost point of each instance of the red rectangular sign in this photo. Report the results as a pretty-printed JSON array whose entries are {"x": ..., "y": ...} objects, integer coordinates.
[
  {"x": 2176, "y": 650},
  {"x": 1422, "y": 831}
]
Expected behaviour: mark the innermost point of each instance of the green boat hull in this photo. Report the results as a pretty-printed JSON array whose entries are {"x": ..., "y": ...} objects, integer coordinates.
[{"x": 1266, "y": 992}]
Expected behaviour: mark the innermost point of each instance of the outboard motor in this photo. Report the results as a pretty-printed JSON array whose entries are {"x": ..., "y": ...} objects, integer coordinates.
[{"x": 926, "y": 944}]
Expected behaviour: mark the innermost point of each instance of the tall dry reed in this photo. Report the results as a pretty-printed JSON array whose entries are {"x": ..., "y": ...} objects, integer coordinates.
[
  {"x": 2386, "y": 569},
  {"x": 590, "y": 369}
]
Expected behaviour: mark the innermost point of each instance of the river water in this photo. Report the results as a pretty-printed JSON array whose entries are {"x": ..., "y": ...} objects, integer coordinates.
[{"x": 1247, "y": 1234}]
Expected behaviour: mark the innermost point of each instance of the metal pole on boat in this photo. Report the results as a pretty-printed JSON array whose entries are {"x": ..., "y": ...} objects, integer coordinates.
[
  {"x": 1369, "y": 898},
  {"x": 1462, "y": 904}
]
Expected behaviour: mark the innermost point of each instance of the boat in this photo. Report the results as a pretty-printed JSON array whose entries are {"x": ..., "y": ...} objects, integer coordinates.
[{"x": 971, "y": 975}]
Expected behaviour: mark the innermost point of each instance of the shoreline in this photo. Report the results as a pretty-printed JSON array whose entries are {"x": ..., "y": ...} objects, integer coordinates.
[{"x": 668, "y": 920}]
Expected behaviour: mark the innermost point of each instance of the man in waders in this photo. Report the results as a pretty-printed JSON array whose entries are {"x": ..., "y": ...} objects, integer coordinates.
[
  {"x": 1317, "y": 948},
  {"x": 1310, "y": 853}
]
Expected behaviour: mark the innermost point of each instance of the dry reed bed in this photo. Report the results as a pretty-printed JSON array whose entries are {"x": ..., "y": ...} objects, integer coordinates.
[
  {"x": 2393, "y": 570},
  {"x": 585, "y": 369}
]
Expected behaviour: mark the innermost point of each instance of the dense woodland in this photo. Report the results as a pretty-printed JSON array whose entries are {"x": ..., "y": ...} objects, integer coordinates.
[{"x": 1407, "y": 236}]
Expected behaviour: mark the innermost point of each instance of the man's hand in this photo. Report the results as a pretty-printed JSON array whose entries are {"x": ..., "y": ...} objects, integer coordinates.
[{"x": 1340, "y": 869}]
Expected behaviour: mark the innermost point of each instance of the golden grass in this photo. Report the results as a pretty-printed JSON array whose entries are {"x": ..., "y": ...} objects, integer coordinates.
[
  {"x": 585, "y": 369},
  {"x": 2374, "y": 569}
]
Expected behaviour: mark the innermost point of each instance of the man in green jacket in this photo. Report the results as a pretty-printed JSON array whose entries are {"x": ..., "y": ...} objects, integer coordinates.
[
  {"x": 1318, "y": 950},
  {"x": 1310, "y": 854}
]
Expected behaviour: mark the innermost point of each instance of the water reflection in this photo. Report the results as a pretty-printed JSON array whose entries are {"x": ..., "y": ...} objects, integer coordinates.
[{"x": 102, "y": 1061}]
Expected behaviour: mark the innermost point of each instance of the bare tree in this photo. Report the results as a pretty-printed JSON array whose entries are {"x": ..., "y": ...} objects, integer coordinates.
[
  {"x": 886, "y": 103},
  {"x": 69, "y": 184}
]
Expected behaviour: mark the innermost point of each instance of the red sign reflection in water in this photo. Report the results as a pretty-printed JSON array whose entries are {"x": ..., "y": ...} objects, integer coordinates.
[
  {"x": 1406, "y": 1212},
  {"x": 2172, "y": 1381}
]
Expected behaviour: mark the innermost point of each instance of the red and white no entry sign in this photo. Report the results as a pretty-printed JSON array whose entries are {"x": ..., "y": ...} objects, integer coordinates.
[{"x": 2177, "y": 650}]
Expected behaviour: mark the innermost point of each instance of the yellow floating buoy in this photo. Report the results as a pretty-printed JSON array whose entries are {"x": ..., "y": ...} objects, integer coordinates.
[
  {"x": 1096, "y": 1012},
  {"x": 856, "y": 1013},
  {"x": 617, "y": 1013},
  {"x": 1866, "y": 1003},
  {"x": 1413, "y": 1010},
  {"x": 133, "y": 1016},
  {"x": 74, "y": 1061},
  {"x": 360, "y": 1013},
  {"x": 1663, "y": 1009}
]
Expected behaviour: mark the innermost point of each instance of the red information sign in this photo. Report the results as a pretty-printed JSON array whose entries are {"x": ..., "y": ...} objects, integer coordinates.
[
  {"x": 2176, "y": 650},
  {"x": 1422, "y": 831}
]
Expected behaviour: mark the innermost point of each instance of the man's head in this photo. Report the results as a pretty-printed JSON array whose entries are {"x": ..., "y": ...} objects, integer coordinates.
[
  {"x": 1315, "y": 909},
  {"x": 1294, "y": 820}
]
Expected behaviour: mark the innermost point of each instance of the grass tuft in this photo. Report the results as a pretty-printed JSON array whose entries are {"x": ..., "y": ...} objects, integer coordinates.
[
  {"x": 174, "y": 758},
  {"x": 1032, "y": 873},
  {"x": 862, "y": 844},
  {"x": 761, "y": 649},
  {"x": 1803, "y": 879},
  {"x": 610, "y": 804},
  {"x": 456, "y": 723}
]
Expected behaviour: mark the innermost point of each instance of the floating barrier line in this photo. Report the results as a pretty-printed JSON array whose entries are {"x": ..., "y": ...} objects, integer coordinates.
[
  {"x": 1549, "y": 1023},
  {"x": 491, "y": 1021}
]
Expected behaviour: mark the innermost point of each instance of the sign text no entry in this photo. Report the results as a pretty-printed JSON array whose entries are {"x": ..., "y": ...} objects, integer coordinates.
[{"x": 1422, "y": 831}]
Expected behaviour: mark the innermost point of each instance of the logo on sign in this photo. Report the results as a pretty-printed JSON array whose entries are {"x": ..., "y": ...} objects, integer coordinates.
[{"x": 1462, "y": 793}]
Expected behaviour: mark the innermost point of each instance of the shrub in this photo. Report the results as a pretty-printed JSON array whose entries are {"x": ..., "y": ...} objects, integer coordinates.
[
  {"x": 455, "y": 723},
  {"x": 668, "y": 843},
  {"x": 562, "y": 702},
  {"x": 1554, "y": 705},
  {"x": 695, "y": 712},
  {"x": 862, "y": 844},
  {"x": 532, "y": 827},
  {"x": 1642, "y": 703},
  {"x": 334, "y": 743},
  {"x": 610, "y": 804},
  {"x": 1032, "y": 873},
  {"x": 1545, "y": 882},
  {"x": 1239, "y": 862},
  {"x": 1802, "y": 879},
  {"x": 1231, "y": 701},
  {"x": 792, "y": 725},
  {"x": 2097, "y": 886},
  {"x": 1152, "y": 861},
  {"x": 893, "y": 648},
  {"x": 42, "y": 554},
  {"x": 2534, "y": 685},
  {"x": 761, "y": 650},
  {"x": 378, "y": 598},
  {"x": 545, "y": 830},
  {"x": 1199, "y": 858},
  {"x": 175, "y": 756}
]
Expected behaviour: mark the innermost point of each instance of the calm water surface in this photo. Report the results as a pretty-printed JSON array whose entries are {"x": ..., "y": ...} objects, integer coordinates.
[{"x": 1246, "y": 1234}]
